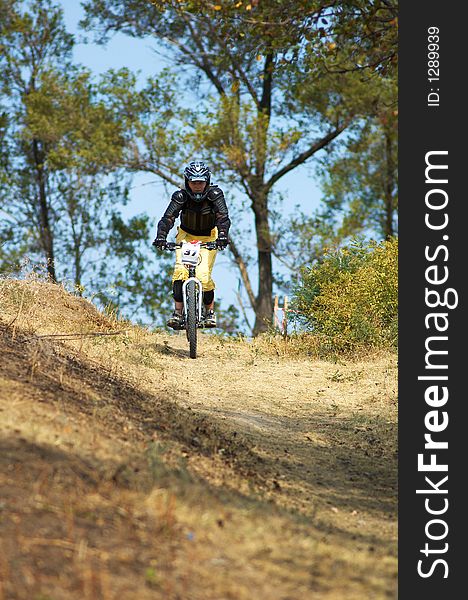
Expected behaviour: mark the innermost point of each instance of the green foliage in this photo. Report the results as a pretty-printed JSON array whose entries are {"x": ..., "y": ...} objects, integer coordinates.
[
  {"x": 360, "y": 178},
  {"x": 65, "y": 139},
  {"x": 258, "y": 113},
  {"x": 301, "y": 238},
  {"x": 73, "y": 123},
  {"x": 350, "y": 299},
  {"x": 131, "y": 279},
  {"x": 228, "y": 319},
  {"x": 373, "y": 26},
  {"x": 259, "y": 88}
]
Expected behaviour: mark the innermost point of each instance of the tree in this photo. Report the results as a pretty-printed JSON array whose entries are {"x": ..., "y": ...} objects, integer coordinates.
[
  {"x": 56, "y": 130},
  {"x": 372, "y": 27},
  {"x": 61, "y": 157},
  {"x": 360, "y": 179},
  {"x": 251, "y": 121},
  {"x": 302, "y": 239},
  {"x": 136, "y": 285},
  {"x": 32, "y": 43}
]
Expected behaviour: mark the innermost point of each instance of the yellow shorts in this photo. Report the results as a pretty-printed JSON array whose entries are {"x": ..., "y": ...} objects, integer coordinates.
[{"x": 206, "y": 262}]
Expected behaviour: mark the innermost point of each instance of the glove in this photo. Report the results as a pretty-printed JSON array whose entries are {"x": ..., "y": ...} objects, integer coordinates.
[
  {"x": 222, "y": 240},
  {"x": 160, "y": 242}
]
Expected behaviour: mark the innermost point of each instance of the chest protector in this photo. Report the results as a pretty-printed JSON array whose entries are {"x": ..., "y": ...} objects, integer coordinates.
[{"x": 198, "y": 218}]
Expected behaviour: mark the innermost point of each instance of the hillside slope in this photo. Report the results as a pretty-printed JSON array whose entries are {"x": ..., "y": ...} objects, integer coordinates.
[{"x": 129, "y": 471}]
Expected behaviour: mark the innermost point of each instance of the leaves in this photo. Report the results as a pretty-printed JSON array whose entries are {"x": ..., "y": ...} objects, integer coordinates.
[
  {"x": 64, "y": 141},
  {"x": 360, "y": 179},
  {"x": 351, "y": 297},
  {"x": 260, "y": 88}
]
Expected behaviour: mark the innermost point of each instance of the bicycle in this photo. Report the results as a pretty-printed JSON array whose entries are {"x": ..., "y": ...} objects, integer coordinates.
[{"x": 192, "y": 289}]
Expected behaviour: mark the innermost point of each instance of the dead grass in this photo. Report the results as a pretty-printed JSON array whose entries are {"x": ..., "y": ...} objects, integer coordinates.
[{"x": 129, "y": 471}]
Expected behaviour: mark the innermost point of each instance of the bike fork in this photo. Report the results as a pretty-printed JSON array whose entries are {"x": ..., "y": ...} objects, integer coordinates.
[{"x": 200, "y": 296}]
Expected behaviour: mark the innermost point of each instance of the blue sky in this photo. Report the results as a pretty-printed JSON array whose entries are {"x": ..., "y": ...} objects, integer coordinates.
[{"x": 148, "y": 194}]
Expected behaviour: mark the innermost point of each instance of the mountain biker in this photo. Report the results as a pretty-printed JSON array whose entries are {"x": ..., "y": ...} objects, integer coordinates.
[{"x": 203, "y": 217}]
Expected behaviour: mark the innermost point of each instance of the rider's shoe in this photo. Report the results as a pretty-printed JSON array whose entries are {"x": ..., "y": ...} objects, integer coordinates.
[
  {"x": 210, "y": 319},
  {"x": 176, "y": 321}
]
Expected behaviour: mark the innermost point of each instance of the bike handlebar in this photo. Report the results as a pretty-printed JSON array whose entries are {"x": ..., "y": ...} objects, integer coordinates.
[{"x": 208, "y": 245}]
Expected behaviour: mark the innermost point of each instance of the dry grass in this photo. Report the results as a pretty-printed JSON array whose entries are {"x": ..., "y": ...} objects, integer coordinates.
[{"x": 129, "y": 471}]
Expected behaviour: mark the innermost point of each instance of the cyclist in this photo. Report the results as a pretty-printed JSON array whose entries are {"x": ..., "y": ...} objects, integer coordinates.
[{"x": 203, "y": 217}]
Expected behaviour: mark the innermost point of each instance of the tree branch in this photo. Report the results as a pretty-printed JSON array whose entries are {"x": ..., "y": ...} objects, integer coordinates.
[
  {"x": 279, "y": 258},
  {"x": 237, "y": 68},
  {"x": 165, "y": 176},
  {"x": 265, "y": 102},
  {"x": 203, "y": 66},
  {"x": 206, "y": 67},
  {"x": 244, "y": 314},
  {"x": 301, "y": 158},
  {"x": 152, "y": 168},
  {"x": 243, "y": 272}
]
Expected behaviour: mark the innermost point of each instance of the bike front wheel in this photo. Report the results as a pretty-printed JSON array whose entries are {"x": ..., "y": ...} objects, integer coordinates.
[{"x": 191, "y": 318}]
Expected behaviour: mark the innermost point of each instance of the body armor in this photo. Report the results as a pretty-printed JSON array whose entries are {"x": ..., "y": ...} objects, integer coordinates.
[{"x": 196, "y": 217}]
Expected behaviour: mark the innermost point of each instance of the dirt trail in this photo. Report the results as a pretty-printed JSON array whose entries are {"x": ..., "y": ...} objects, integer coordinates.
[
  {"x": 325, "y": 433},
  {"x": 146, "y": 474}
]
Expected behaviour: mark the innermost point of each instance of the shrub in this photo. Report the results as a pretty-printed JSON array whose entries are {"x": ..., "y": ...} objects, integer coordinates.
[{"x": 350, "y": 299}]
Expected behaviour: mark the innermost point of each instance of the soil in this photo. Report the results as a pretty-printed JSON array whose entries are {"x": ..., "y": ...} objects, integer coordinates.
[{"x": 129, "y": 470}]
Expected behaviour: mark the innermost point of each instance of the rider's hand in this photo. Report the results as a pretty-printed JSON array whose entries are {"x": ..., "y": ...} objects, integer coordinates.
[
  {"x": 160, "y": 243},
  {"x": 222, "y": 240}
]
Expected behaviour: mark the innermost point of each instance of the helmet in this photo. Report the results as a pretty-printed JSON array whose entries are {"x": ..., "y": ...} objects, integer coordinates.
[{"x": 197, "y": 171}]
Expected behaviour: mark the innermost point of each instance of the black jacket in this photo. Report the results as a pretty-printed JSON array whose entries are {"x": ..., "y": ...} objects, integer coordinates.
[{"x": 196, "y": 218}]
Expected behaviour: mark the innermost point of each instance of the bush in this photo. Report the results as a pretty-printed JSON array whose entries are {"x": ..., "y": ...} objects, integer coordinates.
[{"x": 350, "y": 299}]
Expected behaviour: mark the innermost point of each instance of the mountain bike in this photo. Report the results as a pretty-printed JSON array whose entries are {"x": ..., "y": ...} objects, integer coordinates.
[{"x": 192, "y": 289}]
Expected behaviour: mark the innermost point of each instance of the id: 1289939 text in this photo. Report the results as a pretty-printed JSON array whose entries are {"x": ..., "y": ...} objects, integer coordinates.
[{"x": 433, "y": 66}]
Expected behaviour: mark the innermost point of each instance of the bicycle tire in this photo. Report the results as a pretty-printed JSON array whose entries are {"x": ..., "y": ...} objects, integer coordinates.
[{"x": 191, "y": 324}]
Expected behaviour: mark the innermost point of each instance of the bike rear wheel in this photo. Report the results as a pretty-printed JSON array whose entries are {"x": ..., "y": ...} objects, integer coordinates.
[{"x": 191, "y": 319}]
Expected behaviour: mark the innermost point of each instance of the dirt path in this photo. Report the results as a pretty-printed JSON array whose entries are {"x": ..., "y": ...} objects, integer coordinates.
[
  {"x": 129, "y": 470},
  {"x": 324, "y": 434}
]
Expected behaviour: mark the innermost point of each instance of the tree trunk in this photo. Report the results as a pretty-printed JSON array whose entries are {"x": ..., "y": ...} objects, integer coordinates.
[
  {"x": 77, "y": 258},
  {"x": 389, "y": 187},
  {"x": 264, "y": 301},
  {"x": 46, "y": 236},
  {"x": 76, "y": 238}
]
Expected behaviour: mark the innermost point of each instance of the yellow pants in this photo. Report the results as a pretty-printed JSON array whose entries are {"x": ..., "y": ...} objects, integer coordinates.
[{"x": 206, "y": 261}]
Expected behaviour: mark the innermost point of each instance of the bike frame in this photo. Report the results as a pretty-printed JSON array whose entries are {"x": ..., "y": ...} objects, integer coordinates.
[
  {"x": 192, "y": 277},
  {"x": 198, "y": 283},
  {"x": 190, "y": 326}
]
